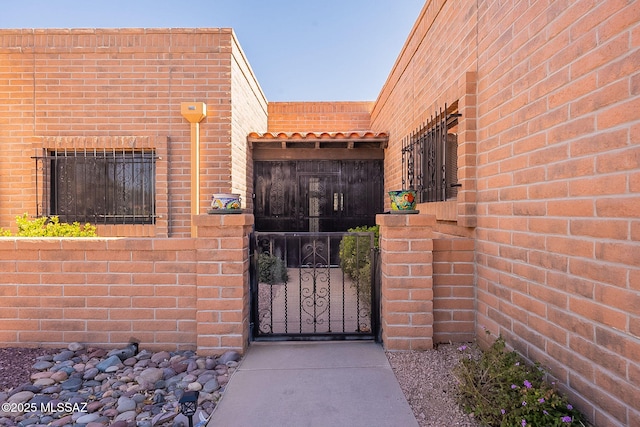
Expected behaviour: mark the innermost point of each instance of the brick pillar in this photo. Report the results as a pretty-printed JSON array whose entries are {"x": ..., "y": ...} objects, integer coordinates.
[
  {"x": 222, "y": 307},
  {"x": 406, "y": 249}
]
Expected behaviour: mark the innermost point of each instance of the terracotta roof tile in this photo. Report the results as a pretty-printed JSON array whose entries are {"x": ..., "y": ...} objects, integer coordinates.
[{"x": 312, "y": 136}]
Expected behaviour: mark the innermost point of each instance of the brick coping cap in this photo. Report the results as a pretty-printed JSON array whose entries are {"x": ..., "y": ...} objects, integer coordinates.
[
  {"x": 223, "y": 220},
  {"x": 78, "y": 31},
  {"x": 405, "y": 220}
]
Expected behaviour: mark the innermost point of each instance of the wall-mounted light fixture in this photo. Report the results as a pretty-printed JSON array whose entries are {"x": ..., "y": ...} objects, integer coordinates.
[{"x": 194, "y": 112}]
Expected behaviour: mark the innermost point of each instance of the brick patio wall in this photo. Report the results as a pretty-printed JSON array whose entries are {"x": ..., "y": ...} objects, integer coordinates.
[
  {"x": 166, "y": 293},
  {"x": 99, "y": 291},
  {"x": 427, "y": 286},
  {"x": 552, "y": 97},
  {"x": 194, "y": 293}
]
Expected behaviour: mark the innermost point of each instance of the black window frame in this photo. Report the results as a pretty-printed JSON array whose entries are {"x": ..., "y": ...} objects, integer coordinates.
[{"x": 99, "y": 186}]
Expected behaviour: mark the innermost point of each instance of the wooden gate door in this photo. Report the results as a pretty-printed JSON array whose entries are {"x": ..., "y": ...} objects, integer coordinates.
[{"x": 317, "y": 195}]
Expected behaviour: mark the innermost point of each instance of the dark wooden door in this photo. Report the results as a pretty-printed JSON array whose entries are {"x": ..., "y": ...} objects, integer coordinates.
[{"x": 317, "y": 195}]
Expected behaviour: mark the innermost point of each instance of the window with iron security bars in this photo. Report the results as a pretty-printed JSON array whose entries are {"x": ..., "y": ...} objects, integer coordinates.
[
  {"x": 430, "y": 157},
  {"x": 100, "y": 186}
]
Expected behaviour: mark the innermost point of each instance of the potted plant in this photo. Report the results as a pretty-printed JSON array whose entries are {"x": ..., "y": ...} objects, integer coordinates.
[{"x": 403, "y": 200}]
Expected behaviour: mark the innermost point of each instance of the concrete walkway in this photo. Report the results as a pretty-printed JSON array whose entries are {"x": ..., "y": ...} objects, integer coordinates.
[{"x": 313, "y": 384}]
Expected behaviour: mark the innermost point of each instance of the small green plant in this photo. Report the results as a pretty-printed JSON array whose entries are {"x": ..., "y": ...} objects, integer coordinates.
[
  {"x": 355, "y": 253},
  {"x": 49, "y": 227},
  {"x": 500, "y": 389},
  {"x": 355, "y": 259},
  {"x": 271, "y": 269}
]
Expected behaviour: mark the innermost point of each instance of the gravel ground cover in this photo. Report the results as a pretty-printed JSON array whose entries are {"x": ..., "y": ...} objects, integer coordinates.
[
  {"x": 94, "y": 387},
  {"x": 16, "y": 365},
  {"x": 424, "y": 377}
]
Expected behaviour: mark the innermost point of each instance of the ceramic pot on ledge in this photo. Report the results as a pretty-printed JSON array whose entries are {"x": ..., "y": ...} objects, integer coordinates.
[
  {"x": 403, "y": 200},
  {"x": 224, "y": 201}
]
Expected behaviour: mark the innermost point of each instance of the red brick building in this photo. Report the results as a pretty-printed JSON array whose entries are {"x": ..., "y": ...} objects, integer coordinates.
[
  {"x": 544, "y": 101},
  {"x": 121, "y": 90}
]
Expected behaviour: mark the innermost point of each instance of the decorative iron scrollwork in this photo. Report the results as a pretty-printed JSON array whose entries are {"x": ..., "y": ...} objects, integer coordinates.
[
  {"x": 315, "y": 284},
  {"x": 317, "y": 297}
]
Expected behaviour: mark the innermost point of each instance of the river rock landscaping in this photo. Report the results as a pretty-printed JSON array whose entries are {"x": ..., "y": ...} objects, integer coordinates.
[{"x": 93, "y": 387}]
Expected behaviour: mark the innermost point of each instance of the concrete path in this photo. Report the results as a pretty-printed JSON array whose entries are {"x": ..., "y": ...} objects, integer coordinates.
[{"x": 313, "y": 384}]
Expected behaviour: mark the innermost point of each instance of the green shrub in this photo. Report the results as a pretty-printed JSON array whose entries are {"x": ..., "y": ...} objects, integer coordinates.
[
  {"x": 50, "y": 227},
  {"x": 355, "y": 253},
  {"x": 500, "y": 389},
  {"x": 355, "y": 260},
  {"x": 271, "y": 269}
]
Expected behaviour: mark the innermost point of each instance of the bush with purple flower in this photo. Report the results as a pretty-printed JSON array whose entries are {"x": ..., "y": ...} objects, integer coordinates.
[{"x": 501, "y": 389}]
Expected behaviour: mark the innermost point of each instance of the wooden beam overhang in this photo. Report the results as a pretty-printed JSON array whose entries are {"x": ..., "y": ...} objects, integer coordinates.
[{"x": 316, "y": 145}]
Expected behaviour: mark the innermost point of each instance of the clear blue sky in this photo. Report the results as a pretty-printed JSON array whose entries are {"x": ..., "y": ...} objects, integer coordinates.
[{"x": 300, "y": 50}]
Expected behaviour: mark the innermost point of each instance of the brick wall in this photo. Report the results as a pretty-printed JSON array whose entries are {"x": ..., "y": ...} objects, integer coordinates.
[
  {"x": 102, "y": 291},
  {"x": 223, "y": 281},
  {"x": 436, "y": 66},
  {"x": 194, "y": 293},
  {"x": 88, "y": 83},
  {"x": 427, "y": 286},
  {"x": 406, "y": 293},
  {"x": 558, "y": 210},
  {"x": 454, "y": 296},
  {"x": 167, "y": 293},
  {"x": 248, "y": 114},
  {"x": 319, "y": 116},
  {"x": 551, "y": 92}
]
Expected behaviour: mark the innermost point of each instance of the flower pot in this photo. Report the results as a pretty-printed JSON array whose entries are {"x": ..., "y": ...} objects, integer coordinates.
[
  {"x": 224, "y": 201},
  {"x": 403, "y": 200}
]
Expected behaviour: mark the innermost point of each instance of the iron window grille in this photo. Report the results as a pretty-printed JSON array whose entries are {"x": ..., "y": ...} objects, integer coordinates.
[
  {"x": 430, "y": 157},
  {"x": 99, "y": 186}
]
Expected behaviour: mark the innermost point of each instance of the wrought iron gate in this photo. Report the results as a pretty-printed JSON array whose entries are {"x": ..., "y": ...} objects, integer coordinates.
[{"x": 301, "y": 288}]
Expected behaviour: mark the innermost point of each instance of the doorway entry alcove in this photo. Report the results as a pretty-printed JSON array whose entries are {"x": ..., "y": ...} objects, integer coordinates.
[
  {"x": 309, "y": 189},
  {"x": 312, "y": 182}
]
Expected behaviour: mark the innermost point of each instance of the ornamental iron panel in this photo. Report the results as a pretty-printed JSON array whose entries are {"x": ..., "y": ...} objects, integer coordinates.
[
  {"x": 100, "y": 186},
  {"x": 430, "y": 158},
  {"x": 302, "y": 290}
]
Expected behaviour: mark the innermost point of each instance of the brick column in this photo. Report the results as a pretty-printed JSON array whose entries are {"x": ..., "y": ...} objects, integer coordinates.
[
  {"x": 406, "y": 249},
  {"x": 222, "y": 307}
]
